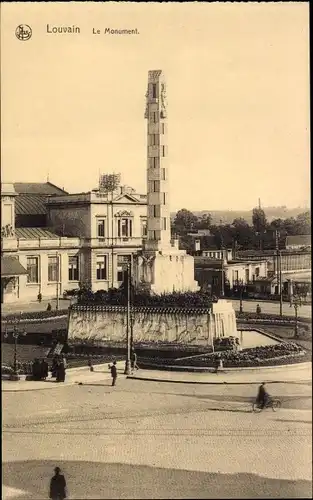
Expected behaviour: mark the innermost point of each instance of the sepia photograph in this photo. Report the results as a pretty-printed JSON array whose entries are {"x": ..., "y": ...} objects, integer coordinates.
[{"x": 156, "y": 326}]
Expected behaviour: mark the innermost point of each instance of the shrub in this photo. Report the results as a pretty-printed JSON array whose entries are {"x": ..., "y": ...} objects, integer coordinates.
[{"x": 34, "y": 315}]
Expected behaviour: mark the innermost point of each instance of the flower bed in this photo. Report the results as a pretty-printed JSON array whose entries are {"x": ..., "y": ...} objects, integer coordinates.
[
  {"x": 33, "y": 315},
  {"x": 280, "y": 354}
]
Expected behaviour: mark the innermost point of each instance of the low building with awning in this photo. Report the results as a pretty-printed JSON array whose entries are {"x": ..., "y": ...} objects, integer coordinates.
[{"x": 11, "y": 270}]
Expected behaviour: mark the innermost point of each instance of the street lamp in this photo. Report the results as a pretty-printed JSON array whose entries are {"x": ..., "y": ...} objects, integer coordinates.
[
  {"x": 16, "y": 334},
  {"x": 279, "y": 273},
  {"x": 296, "y": 302},
  {"x": 240, "y": 287},
  {"x": 128, "y": 321}
]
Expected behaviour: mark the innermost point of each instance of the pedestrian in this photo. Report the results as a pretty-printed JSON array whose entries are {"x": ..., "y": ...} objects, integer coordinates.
[
  {"x": 36, "y": 370},
  {"x": 217, "y": 363},
  {"x": 49, "y": 307},
  {"x": 134, "y": 365},
  {"x": 64, "y": 361},
  {"x": 57, "y": 486},
  {"x": 39, "y": 297},
  {"x": 258, "y": 309},
  {"x": 44, "y": 369},
  {"x": 54, "y": 367},
  {"x": 60, "y": 371},
  {"x": 113, "y": 373}
]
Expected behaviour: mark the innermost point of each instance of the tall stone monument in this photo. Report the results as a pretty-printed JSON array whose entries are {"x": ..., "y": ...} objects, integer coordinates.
[{"x": 161, "y": 267}]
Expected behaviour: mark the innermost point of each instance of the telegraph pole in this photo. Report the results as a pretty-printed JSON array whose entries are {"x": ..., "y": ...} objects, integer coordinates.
[
  {"x": 58, "y": 279},
  {"x": 128, "y": 321},
  {"x": 279, "y": 273}
]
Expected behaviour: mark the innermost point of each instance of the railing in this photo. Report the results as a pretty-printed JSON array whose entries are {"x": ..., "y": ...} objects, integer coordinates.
[
  {"x": 21, "y": 244},
  {"x": 116, "y": 242}
]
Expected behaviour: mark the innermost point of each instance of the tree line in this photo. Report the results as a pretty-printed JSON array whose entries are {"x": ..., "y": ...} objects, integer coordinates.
[{"x": 260, "y": 235}]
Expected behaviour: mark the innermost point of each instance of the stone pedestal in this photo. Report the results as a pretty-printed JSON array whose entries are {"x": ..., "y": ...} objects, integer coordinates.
[
  {"x": 165, "y": 271},
  {"x": 223, "y": 320}
]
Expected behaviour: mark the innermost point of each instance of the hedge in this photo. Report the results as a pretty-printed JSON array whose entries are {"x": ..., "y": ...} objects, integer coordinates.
[{"x": 41, "y": 315}]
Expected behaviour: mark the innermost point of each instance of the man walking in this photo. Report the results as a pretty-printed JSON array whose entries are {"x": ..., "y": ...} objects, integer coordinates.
[
  {"x": 113, "y": 373},
  {"x": 57, "y": 486},
  {"x": 134, "y": 365}
]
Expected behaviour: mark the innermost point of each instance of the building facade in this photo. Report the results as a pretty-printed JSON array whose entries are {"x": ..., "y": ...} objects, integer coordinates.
[{"x": 88, "y": 238}]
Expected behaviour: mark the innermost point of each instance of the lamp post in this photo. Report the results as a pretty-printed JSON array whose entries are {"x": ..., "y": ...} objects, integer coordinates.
[
  {"x": 16, "y": 334},
  {"x": 128, "y": 321},
  {"x": 279, "y": 273},
  {"x": 240, "y": 286},
  {"x": 58, "y": 280},
  {"x": 296, "y": 302}
]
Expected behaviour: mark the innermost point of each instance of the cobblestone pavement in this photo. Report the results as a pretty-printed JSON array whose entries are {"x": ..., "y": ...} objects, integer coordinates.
[{"x": 155, "y": 440}]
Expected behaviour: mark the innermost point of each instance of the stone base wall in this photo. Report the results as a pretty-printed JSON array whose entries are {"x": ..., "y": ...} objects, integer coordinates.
[{"x": 87, "y": 324}]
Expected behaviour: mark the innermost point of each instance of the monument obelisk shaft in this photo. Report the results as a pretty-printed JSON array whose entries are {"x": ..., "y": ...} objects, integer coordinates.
[
  {"x": 159, "y": 230},
  {"x": 161, "y": 267}
]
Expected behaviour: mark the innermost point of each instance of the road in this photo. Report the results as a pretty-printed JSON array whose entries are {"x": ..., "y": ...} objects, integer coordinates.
[
  {"x": 156, "y": 440},
  {"x": 272, "y": 308},
  {"x": 248, "y": 306}
]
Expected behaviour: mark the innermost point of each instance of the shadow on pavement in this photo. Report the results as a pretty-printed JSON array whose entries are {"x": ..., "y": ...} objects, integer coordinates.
[{"x": 94, "y": 480}]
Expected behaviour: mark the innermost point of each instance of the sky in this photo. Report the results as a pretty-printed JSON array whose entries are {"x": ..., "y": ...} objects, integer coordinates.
[{"x": 237, "y": 86}]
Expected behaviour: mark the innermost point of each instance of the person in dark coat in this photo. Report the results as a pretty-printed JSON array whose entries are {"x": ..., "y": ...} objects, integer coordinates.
[
  {"x": 113, "y": 373},
  {"x": 263, "y": 396},
  {"x": 57, "y": 486},
  {"x": 44, "y": 369},
  {"x": 36, "y": 369},
  {"x": 54, "y": 368},
  {"x": 60, "y": 371}
]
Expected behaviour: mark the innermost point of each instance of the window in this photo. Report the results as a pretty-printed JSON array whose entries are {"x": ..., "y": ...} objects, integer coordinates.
[
  {"x": 122, "y": 261},
  {"x": 153, "y": 117},
  {"x": 156, "y": 186},
  {"x": 73, "y": 274},
  {"x": 144, "y": 228},
  {"x": 163, "y": 172},
  {"x": 215, "y": 280},
  {"x": 154, "y": 91},
  {"x": 247, "y": 275},
  {"x": 124, "y": 228},
  {"x": 53, "y": 271},
  {"x": 101, "y": 267},
  {"x": 257, "y": 272},
  {"x": 163, "y": 151},
  {"x": 154, "y": 140},
  {"x": 101, "y": 228},
  {"x": 154, "y": 235},
  {"x": 236, "y": 273},
  {"x": 162, "y": 129},
  {"x": 163, "y": 199},
  {"x": 164, "y": 223},
  {"x": 156, "y": 211},
  {"x": 32, "y": 269}
]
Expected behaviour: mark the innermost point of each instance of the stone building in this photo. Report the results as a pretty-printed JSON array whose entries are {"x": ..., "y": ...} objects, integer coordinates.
[{"x": 79, "y": 238}]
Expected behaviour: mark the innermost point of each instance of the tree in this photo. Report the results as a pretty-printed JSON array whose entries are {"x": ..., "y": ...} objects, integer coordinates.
[
  {"x": 259, "y": 220},
  {"x": 204, "y": 222},
  {"x": 243, "y": 234},
  {"x": 303, "y": 223},
  {"x": 184, "y": 222}
]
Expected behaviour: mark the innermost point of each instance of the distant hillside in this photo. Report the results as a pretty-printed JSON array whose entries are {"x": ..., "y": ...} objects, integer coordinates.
[{"x": 227, "y": 216}]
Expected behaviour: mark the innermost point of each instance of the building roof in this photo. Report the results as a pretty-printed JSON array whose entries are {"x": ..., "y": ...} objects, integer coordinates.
[
  {"x": 30, "y": 204},
  {"x": 31, "y": 233},
  {"x": 10, "y": 266},
  {"x": 39, "y": 188},
  {"x": 301, "y": 240}
]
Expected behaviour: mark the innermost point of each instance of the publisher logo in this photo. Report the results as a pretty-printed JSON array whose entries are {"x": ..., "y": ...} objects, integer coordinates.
[{"x": 23, "y": 32}]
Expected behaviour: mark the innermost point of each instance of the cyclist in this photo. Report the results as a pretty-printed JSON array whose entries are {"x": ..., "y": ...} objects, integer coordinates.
[{"x": 263, "y": 396}]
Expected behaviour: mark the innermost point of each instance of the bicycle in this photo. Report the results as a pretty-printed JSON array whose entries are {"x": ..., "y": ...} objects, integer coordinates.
[{"x": 273, "y": 403}]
